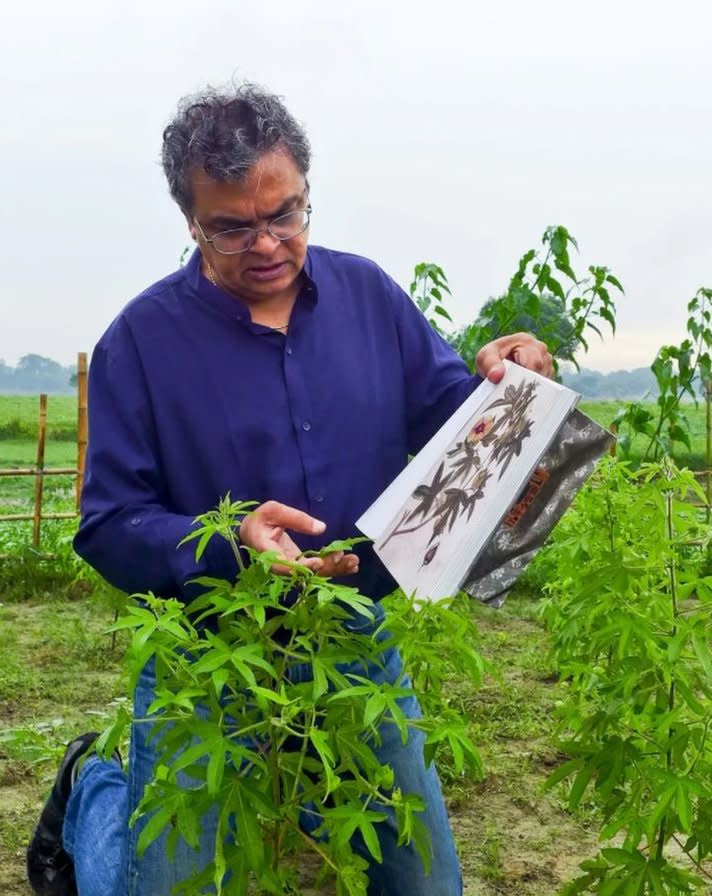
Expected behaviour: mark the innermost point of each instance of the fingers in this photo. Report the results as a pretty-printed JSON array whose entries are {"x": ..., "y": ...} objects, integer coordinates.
[
  {"x": 330, "y": 566},
  {"x": 265, "y": 526},
  {"x": 272, "y": 513},
  {"x": 534, "y": 355},
  {"x": 264, "y": 530},
  {"x": 338, "y": 564},
  {"x": 522, "y": 348}
]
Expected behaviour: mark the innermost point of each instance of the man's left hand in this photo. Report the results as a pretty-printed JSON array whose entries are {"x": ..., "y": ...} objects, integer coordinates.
[{"x": 522, "y": 348}]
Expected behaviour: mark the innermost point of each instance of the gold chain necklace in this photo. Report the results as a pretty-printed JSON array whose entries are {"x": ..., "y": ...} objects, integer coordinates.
[{"x": 282, "y": 328}]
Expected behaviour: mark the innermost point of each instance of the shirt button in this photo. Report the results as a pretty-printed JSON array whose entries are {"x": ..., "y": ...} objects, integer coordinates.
[
  {"x": 319, "y": 499},
  {"x": 306, "y": 426},
  {"x": 136, "y": 521},
  {"x": 289, "y": 349}
]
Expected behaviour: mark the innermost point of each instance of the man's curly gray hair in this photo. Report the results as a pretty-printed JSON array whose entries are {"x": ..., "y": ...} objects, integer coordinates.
[{"x": 225, "y": 132}]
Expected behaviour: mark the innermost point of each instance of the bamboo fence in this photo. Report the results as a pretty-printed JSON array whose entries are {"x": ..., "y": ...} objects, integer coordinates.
[{"x": 40, "y": 471}]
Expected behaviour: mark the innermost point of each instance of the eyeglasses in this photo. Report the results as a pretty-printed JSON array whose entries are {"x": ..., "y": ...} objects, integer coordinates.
[{"x": 241, "y": 239}]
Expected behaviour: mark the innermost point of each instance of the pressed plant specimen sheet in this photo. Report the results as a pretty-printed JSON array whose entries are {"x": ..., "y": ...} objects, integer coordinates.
[{"x": 436, "y": 517}]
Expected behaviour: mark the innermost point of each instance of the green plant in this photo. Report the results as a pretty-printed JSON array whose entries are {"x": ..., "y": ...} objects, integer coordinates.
[
  {"x": 629, "y": 611},
  {"x": 428, "y": 290},
  {"x": 548, "y": 297},
  {"x": 35, "y": 743},
  {"x": 490, "y": 853},
  {"x": 268, "y": 742},
  {"x": 678, "y": 369}
]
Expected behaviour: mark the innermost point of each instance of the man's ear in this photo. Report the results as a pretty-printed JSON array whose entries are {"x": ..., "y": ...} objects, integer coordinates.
[{"x": 191, "y": 228}]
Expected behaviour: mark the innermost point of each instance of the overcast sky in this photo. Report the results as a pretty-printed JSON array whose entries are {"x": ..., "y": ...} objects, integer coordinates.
[{"x": 446, "y": 132}]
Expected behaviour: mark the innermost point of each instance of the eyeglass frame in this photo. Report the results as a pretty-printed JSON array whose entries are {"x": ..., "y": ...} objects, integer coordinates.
[{"x": 256, "y": 231}]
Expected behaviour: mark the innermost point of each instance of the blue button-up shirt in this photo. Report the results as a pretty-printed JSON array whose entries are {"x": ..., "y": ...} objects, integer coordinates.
[{"x": 189, "y": 399}]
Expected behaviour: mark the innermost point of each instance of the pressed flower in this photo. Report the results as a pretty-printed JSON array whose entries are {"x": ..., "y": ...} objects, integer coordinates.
[{"x": 480, "y": 429}]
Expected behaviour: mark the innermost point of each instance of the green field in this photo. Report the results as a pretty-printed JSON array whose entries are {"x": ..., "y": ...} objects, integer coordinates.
[
  {"x": 17, "y": 493},
  {"x": 605, "y": 411},
  {"x": 18, "y": 446},
  {"x": 19, "y": 416}
]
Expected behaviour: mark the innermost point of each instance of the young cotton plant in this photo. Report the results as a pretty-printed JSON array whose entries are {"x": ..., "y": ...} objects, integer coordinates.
[
  {"x": 630, "y": 610},
  {"x": 265, "y": 701}
]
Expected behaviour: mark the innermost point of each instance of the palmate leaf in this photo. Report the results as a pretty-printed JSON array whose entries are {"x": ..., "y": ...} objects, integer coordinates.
[
  {"x": 454, "y": 502},
  {"x": 249, "y": 834},
  {"x": 464, "y": 445},
  {"x": 465, "y": 463},
  {"x": 510, "y": 446},
  {"x": 428, "y": 494},
  {"x": 339, "y": 544}
]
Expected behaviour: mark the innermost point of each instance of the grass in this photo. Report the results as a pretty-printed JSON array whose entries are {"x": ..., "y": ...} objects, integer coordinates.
[
  {"x": 17, "y": 492},
  {"x": 603, "y": 412},
  {"x": 18, "y": 448},
  {"x": 58, "y": 677},
  {"x": 19, "y": 417}
]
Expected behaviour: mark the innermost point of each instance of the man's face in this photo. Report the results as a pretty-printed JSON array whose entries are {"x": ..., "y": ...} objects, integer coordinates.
[{"x": 270, "y": 269}]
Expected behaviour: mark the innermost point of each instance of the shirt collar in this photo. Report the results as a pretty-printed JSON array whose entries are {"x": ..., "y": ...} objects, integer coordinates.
[{"x": 231, "y": 305}]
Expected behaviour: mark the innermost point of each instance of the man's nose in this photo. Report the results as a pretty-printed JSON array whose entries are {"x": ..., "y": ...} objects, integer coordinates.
[{"x": 264, "y": 242}]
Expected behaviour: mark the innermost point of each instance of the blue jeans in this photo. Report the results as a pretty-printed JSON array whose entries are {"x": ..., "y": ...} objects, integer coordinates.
[{"x": 103, "y": 847}]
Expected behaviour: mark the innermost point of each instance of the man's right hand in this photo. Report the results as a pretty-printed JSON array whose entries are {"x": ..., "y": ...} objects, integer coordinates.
[{"x": 265, "y": 530}]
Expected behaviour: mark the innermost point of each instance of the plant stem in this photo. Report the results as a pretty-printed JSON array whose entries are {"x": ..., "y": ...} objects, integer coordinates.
[
  {"x": 313, "y": 845},
  {"x": 672, "y": 576},
  {"x": 235, "y": 549},
  {"x": 694, "y": 861}
]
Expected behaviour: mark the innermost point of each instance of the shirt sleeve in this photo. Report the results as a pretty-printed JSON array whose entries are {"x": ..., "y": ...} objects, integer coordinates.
[
  {"x": 437, "y": 380},
  {"x": 128, "y": 532}
]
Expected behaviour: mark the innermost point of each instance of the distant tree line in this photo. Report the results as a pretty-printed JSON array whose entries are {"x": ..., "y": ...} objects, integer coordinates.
[
  {"x": 34, "y": 374},
  {"x": 624, "y": 384}
]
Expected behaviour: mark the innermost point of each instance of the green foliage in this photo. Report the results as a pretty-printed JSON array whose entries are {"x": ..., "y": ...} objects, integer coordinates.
[
  {"x": 547, "y": 297},
  {"x": 629, "y": 611},
  {"x": 677, "y": 369},
  {"x": 53, "y": 571},
  {"x": 25, "y": 571},
  {"x": 436, "y": 642},
  {"x": 428, "y": 290},
  {"x": 33, "y": 744},
  {"x": 264, "y": 700}
]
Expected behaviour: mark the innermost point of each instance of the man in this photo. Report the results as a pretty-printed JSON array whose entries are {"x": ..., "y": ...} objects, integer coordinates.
[{"x": 291, "y": 375}]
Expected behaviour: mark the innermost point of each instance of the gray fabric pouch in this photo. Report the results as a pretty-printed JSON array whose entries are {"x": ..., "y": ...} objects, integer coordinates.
[{"x": 560, "y": 473}]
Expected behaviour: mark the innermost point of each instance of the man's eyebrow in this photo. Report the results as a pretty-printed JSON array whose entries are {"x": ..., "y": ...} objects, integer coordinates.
[{"x": 229, "y": 222}]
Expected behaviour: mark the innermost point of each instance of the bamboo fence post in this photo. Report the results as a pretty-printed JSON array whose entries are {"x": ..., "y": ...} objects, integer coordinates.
[
  {"x": 39, "y": 474},
  {"x": 81, "y": 423},
  {"x": 613, "y": 429}
]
